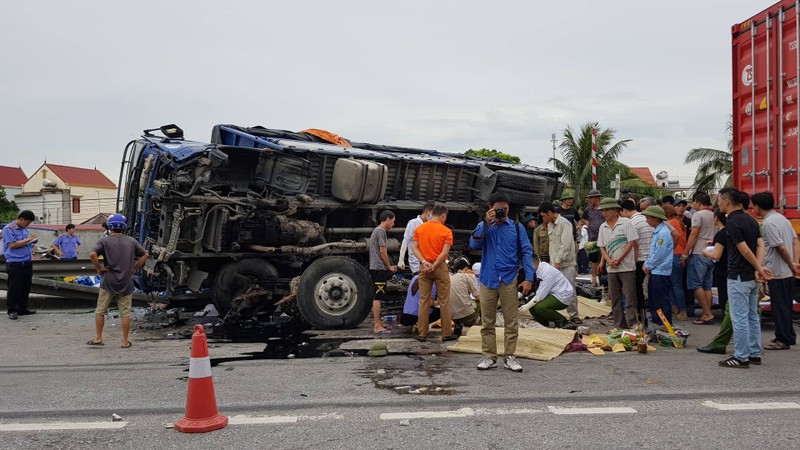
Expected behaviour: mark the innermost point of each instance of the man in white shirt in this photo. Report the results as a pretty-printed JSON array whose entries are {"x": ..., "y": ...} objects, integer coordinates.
[
  {"x": 554, "y": 294},
  {"x": 408, "y": 236},
  {"x": 642, "y": 249},
  {"x": 616, "y": 239}
]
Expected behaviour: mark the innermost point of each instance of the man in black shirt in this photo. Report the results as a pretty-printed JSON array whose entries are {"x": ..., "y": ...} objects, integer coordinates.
[
  {"x": 745, "y": 273},
  {"x": 568, "y": 211}
]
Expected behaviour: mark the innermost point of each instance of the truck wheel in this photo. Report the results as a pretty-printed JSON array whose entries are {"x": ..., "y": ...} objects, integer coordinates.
[
  {"x": 523, "y": 198},
  {"x": 239, "y": 277},
  {"x": 559, "y": 190},
  {"x": 520, "y": 181},
  {"x": 335, "y": 292}
]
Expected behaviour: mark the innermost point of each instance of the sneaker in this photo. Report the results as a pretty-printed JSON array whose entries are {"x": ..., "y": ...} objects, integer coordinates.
[
  {"x": 511, "y": 363},
  {"x": 12, "y": 316},
  {"x": 26, "y": 312},
  {"x": 734, "y": 363},
  {"x": 487, "y": 363},
  {"x": 755, "y": 360}
]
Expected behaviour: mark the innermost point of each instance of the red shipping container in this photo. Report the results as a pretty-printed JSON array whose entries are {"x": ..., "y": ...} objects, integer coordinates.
[{"x": 766, "y": 107}]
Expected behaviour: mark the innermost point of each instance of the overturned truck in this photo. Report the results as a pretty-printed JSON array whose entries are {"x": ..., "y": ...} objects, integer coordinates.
[{"x": 271, "y": 223}]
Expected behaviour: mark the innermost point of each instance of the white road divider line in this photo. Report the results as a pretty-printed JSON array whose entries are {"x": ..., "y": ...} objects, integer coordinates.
[
  {"x": 608, "y": 410},
  {"x": 61, "y": 426},
  {"x": 463, "y": 412},
  {"x": 244, "y": 419},
  {"x": 505, "y": 411},
  {"x": 750, "y": 406}
]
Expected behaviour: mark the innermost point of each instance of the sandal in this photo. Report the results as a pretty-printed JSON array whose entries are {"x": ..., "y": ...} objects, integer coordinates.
[
  {"x": 127, "y": 346},
  {"x": 703, "y": 322},
  {"x": 92, "y": 342},
  {"x": 777, "y": 345}
]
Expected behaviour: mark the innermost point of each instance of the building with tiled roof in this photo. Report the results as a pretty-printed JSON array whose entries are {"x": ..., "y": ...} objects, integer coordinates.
[
  {"x": 12, "y": 179},
  {"x": 645, "y": 174},
  {"x": 60, "y": 194}
]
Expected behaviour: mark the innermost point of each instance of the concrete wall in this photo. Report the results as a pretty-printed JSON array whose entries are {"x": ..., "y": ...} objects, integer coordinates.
[
  {"x": 11, "y": 191},
  {"x": 34, "y": 183},
  {"x": 88, "y": 234},
  {"x": 51, "y": 206},
  {"x": 93, "y": 202}
]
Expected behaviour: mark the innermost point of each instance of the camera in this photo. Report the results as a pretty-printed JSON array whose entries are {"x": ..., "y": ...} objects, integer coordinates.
[{"x": 499, "y": 213}]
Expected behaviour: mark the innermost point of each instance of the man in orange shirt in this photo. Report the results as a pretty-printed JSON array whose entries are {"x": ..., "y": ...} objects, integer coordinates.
[{"x": 431, "y": 244}]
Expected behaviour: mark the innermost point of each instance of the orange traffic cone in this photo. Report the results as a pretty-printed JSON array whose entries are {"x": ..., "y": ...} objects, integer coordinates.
[{"x": 201, "y": 405}]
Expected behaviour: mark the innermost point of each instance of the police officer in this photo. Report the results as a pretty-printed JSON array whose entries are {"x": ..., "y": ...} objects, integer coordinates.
[{"x": 17, "y": 248}]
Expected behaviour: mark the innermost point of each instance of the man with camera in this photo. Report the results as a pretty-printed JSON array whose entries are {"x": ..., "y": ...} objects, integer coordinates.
[{"x": 504, "y": 248}]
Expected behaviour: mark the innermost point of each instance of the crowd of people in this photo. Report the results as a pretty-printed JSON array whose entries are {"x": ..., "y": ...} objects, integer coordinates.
[{"x": 658, "y": 257}]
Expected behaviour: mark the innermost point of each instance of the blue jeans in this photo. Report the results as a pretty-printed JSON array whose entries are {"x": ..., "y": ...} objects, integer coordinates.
[
  {"x": 743, "y": 301},
  {"x": 678, "y": 298}
]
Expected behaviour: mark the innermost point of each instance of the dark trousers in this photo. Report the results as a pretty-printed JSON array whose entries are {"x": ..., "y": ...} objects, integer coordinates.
[
  {"x": 722, "y": 291},
  {"x": 20, "y": 276},
  {"x": 641, "y": 306},
  {"x": 781, "y": 293},
  {"x": 659, "y": 291},
  {"x": 583, "y": 262}
]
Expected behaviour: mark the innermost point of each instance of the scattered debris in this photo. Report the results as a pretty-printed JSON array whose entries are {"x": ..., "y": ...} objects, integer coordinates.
[
  {"x": 116, "y": 417},
  {"x": 405, "y": 422}
]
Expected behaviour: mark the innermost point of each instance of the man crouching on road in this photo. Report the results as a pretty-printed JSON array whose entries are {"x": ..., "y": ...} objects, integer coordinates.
[
  {"x": 503, "y": 243},
  {"x": 120, "y": 255},
  {"x": 554, "y": 294}
]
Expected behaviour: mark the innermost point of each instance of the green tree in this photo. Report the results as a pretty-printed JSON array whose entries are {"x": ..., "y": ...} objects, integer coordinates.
[
  {"x": 8, "y": 209},
  {"x": 576, "y": 162},
  {"x": 715, "y": 165},
  {"x": 486, "y": 153}
]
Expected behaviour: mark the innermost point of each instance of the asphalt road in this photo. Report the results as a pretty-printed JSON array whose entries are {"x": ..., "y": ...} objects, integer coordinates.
[{"x": 669, "y": 398}]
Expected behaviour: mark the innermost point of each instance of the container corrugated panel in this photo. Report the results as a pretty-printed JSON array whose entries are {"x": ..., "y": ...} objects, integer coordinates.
[{"x": 766, "y": 108}]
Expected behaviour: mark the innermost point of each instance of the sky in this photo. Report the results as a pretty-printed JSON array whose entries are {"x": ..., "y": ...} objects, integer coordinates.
[{"x": 81, "y": 79}]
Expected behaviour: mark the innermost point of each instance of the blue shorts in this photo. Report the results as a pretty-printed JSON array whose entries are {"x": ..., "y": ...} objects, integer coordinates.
[{"x": 701, "y": 273}]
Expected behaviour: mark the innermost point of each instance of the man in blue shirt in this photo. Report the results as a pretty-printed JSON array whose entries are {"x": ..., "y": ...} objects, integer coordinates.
[
  {"x": 659, "y": 265},
  {"x": 503, "y": 243},
  {"x": 17, "y": 248},
  {"x": 67, "y": 245}
]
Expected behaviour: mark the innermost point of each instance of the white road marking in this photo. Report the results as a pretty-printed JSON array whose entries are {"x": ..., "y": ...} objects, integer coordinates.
[
  {"x": 244, "y": 419},
  {"x": 751, "y": 406},
  {"x": 463, "y": 412},
  {"x": 505, "y": 411},
  {"x": 609, "y": 410},
  {"x": 61, "y": 426}
]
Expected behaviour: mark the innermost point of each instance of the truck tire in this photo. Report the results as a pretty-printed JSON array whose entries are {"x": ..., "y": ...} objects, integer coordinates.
[
  {"x": 520, "y": 181},
  {"x": 238, "y": 277},
  {"x": 523, "y": 198},
  {"x": 335, "y": 292},
  {"x": 559, "y": 190}
]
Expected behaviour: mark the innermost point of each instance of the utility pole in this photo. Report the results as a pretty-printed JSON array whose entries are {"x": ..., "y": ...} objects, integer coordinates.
[{"x": 553, "y": 140}]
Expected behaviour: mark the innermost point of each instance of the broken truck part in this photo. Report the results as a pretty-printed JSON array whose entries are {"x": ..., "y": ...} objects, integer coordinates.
[{"x": 240, "y": 217}]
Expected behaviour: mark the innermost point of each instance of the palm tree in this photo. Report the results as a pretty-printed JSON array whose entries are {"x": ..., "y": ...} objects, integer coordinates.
[
  {"x": 576, "y": 165},
  {"x": 715, "y": 165}
]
